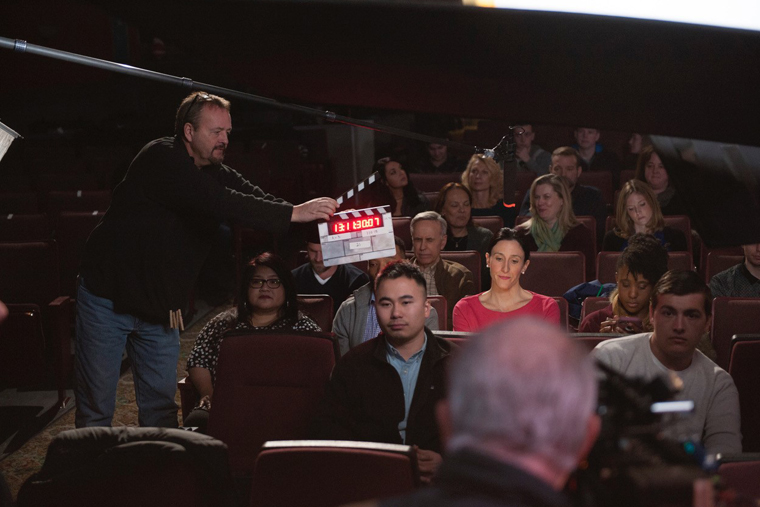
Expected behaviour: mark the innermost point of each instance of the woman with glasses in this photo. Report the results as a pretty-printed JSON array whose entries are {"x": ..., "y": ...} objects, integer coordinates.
[{"x": 266, "y": 301}]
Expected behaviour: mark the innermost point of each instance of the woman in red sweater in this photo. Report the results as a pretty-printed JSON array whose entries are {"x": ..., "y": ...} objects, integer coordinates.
[{"x": 507, "y": 259}]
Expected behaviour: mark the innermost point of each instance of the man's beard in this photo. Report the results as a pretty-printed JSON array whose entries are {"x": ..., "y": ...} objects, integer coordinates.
[{"x": 217, "y": 160}]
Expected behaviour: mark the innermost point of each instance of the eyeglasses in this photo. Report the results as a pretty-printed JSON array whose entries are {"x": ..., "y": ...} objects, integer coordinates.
[
  {"x": 258, "y": 283},
  {"x": 202, "y": 95}
]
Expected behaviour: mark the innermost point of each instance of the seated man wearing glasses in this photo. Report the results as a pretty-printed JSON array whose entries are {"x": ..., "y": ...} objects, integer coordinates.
[{"x": 266, "y": 302}]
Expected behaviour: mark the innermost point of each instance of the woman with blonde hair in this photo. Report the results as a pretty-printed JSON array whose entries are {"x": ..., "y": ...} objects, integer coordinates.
[
  {"x": 639, "y": 212},
  {"x": 553, "y": 226},
  {"x": 485, "y": 180}
]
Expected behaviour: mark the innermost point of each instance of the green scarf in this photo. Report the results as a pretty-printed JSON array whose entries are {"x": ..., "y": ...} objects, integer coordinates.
[{"x": 547, "y": 240}]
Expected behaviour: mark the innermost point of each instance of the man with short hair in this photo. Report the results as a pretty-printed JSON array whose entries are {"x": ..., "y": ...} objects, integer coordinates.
[
  {"x": 529, "y": 156},
  {"x": 336, "y": 281},
  {"x": 439, "y": 160},
  {"x": 446, "y": 278},
  {"x": 587, "y": 200},
  {"x": 386, "y": 389},
  {"x": 356, "y": 320},
  {"x": 519, "y": 417},
  {"x": 593, "y": 155},
  {"x": 142, "y": 260},
  {"x": 742, "y": 280},
  {"x": 680, "y": 312}
]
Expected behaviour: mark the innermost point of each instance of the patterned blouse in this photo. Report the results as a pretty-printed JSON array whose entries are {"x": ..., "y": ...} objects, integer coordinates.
[{"x": 205, "y": 353}]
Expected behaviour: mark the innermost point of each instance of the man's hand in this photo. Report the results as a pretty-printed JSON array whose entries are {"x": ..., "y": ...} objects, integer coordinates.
[
  {"x": 523, "y": 154},
  {"x": 321, "y": 208},
  {"x": 428, "y": 462}
]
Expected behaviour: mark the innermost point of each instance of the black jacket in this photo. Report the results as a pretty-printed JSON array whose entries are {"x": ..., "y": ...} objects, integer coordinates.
[
  {"x": 364, "y": 399},
  {"x": 148, "y": 249}
]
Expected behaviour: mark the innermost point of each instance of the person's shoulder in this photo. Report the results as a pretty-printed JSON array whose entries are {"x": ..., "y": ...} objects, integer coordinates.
[
  {"x": 351, "y": 271},
  {"x": 454, "y": 268},
  {"x": 624, "y": 343},
  {"x": 443, "y": 347},
  {"x": 468, "y": 301},
  {"x": 301, "y": 270}
]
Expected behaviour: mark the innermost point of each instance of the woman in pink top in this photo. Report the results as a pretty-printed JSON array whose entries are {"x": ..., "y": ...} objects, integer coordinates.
[{"x": 507, "y": 259}]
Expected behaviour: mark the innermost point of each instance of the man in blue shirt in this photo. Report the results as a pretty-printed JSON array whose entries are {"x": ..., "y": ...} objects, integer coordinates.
[{"x": 386, "y": 389}]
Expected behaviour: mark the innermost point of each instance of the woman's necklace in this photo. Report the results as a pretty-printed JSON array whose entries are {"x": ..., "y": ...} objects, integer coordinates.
[{"x": 458, "y": 241}]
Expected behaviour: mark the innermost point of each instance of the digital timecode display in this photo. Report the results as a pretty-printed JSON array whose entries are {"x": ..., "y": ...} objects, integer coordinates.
[{"x": 356, "y": 224}]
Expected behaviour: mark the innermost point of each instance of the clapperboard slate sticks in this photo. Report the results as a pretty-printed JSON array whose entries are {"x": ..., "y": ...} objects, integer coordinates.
[{"x": 357, "y": 235}]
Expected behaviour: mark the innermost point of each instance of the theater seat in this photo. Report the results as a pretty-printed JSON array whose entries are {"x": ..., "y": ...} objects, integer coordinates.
[
  {"x": 553, "y": 273},
  {"x": 744, "y": 369},
  {"x": 732, "y": 316},
  {"x": 126, "y": 467},
  {"x": 592, "y": 304},
  {"x": 268, "y": 386},
  {"x": 25, "y": 227},
  {"x": 401, "y": 228},
  {"x": 720, "y": 260},
  {"x": 492, "y": 223},
  {"x": 327, "y": 473},
  {"x": 433, "y": 182},
  {"x": 319, "y": 307},
  {"x": 441, "y": 307}
]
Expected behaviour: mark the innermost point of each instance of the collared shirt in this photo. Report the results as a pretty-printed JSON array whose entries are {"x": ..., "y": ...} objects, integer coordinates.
[
  {"x": 736, "y": 281},
  {"x": 371, "y": 327},
  {"x": 408, "y": 370},
  {"x": 429, "y": 274}
]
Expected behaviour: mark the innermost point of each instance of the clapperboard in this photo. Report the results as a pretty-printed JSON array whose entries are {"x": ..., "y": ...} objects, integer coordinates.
[{"x": 357, "y": 235}]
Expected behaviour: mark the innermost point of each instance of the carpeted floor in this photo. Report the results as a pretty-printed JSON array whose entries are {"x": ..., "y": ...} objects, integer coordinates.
[{"x": 17, "y": 467}]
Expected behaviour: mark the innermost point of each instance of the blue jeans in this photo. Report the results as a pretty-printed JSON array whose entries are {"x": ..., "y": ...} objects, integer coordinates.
[{"x": 101, "y": 335}]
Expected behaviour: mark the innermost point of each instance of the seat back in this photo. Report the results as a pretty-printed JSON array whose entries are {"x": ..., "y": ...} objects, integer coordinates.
[
  {"x": 29, "y": 272},
  {"x": 625, "y": 176},
  {"x": 742, "y": 476},
  {"x": 78, "y": 200},
  {"x": 401, "y": 229},
  {"x": 553, "y": 273},
  {"x": 72, "y": 231},
  {"x": 441, "y": 307},
  {"x": 492, "y": 223},
  {"x": 469, "y": 259},
  {"x": 732, "y": 316},
  {"x": 319, "y": 307},
  {"x": 18, "y": 202},
  {"x": 592, "y": 304},
  {"x": 325, "y": 473},
  {"x": 456, "y": 337},
  {"x": 268, "y": 387},
  {"x": 131, "y": 466},
  {"x": 720, "y": 260},
  {"x": 24, "y": 227},
  {"x": 433, "y": 182},
  {"x": 591, "y": 340},
  {"x": 601, "y": 180},
  {"x": 22, "y": 346},
  {"x": 743, "y": 368}
]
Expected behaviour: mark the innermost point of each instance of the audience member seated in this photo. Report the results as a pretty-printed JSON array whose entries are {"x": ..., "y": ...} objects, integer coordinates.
[
  {"x": 454, "y": 204},
  {"x": 566, "y": 162},
  {"x": 439, "y": 161},
  {"x": 386, "y": 389},
  {"x": 593, "y": 155},
  {"x": 553, "y": 226},
  {"x": 266, "y": 301},
  {"x": 356, "y": 320},
  {"x": 651, "y": 170},
  {"x": 394, "y": 189},
  {"x": 638, "y": 269},
  {"x": 742, "y": 280},
  {"x": 485, "y": 180},
  {"x": 446, "y": 278},
  {"x": 316, "y": 278},
  {"x": 528, "y": 156},
  {"x": 520, "y": 416},
  {"x": 680, "y": 313},
  {"x": 639, "y": 212},
  {"x": 506, "y": 259}
]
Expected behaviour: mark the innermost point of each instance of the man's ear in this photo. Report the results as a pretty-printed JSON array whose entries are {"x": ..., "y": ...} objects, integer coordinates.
[
  {"x": 427, "y": 308},
  {"x": 187, "y": 132},
  {"x": 443, "y": 418},
  {"x": 580, "y": 170}
]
